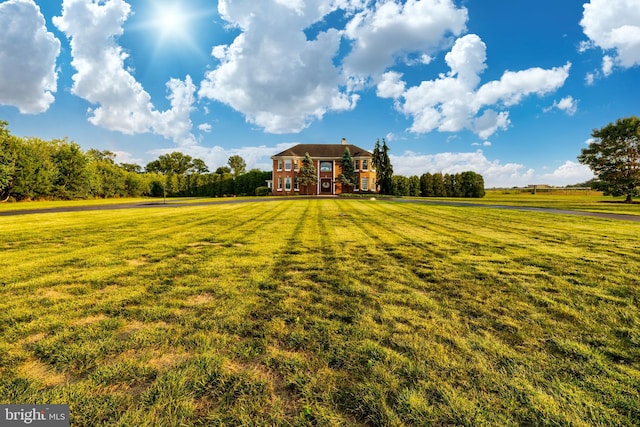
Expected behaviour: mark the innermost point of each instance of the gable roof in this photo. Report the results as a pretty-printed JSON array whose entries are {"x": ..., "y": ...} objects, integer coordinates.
[{"x": 323, "y": 151}]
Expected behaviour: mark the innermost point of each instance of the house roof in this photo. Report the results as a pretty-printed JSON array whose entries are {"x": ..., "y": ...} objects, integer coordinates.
[{"x": 323, "y": 151}]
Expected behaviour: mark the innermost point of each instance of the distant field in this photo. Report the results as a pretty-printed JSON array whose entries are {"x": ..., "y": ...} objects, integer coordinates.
[
  {"x": 590, "y": 201},
  {"x": 327, "y": 312}
]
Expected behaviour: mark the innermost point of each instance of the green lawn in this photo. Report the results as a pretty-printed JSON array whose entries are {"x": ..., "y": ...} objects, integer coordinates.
[{"x": 322, "y": 312}]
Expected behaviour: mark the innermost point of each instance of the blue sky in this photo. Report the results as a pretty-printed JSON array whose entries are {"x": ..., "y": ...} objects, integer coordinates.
[{"x": 509, "y": 89}]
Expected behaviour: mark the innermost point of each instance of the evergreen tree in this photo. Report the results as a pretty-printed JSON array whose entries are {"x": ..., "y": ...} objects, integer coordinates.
[
  {"x": 308, "y": 175},
  {"x": 348, "y": 176},
  {"x": 384, "y": 169}
]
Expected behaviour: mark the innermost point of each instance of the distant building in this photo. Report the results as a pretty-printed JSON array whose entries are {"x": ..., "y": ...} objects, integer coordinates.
[{"x": 326, "y": 159}]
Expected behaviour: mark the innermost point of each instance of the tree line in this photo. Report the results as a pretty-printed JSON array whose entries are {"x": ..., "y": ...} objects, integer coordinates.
[
  {"x": 463, "y": 184},
  {"x": 35, "y": 169}
]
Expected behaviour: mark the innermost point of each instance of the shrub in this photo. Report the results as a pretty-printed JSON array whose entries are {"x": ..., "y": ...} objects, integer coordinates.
[{"x": 263, "y": 191}]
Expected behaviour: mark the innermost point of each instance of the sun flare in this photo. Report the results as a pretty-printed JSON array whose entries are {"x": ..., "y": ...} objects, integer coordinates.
[{"x": 171, "y": 22}]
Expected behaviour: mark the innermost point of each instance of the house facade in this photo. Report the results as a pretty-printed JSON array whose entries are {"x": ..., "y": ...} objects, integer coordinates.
[{"x": 326, "y": 159}]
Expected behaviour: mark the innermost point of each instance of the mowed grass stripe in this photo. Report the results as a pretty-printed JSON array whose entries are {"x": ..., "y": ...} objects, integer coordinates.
[
  {"x": 330, "y": 312},
  {"x": 160, "y": 233},
  {"x": 486, "y": 290}
]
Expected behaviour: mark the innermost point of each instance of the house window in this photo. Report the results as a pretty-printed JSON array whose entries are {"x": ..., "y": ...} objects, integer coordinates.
[
  {"x": 296, "y": 184},
  {"x": 279, "y": 183},
  {"x": 326, "y": 167},
  {"x": 287, "y": 164},
  {"x": 365, "y": 184},
  {"x": 295, "y": 165},
  {"x": 365, "y": 165},
  {"x": 356, "y": 185},
  {"x": 279, "y": 164},
  {"x": 357, "y": 165},
  {"x": 287, "y": 183}
]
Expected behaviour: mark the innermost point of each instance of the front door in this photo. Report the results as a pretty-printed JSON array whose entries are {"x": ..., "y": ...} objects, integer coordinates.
[{"x": 325, "y": 186}]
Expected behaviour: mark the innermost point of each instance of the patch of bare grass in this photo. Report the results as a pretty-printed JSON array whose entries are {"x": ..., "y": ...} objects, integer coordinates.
[{"x": 40, "y": 373}]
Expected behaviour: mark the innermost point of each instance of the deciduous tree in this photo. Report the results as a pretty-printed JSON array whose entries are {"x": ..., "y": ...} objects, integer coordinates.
[
  {"x": 7, "y": 159},
  {"x": 73, "y": 179},
  {"x": 439, "y": 189},
  {"x": 414, "y": 186},
  {"x": 471, "y": 184},
  {"x": 426, "y": 185},
  {"x": 238, "y": 165},
  {"x": 614, "y": 156},
  {"x": 35, "y": 170},
  {"x": 401, "y": 185},
  {"x": 198, "y": 166},
  {"x": 174, "y": 163}
]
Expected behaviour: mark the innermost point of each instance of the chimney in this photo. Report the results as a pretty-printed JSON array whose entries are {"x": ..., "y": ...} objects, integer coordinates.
[{"x": 344, "y": 141}]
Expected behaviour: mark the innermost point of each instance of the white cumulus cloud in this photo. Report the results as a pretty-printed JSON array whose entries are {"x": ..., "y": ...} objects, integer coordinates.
[
  {"x": 568, "y": 173},
  {"x": 205, "y": 127},
  {"x": 282, "y": 77},
  {"x": 513, "y": 86},
  {"x": 28, "y": 54},
  {"x": 485, "y": 144},
  {"x": 102, "y": 78},
  {"x": 391, "y": 85},
  {"x": 454, "y": 102},
  {"x": 613, "y": 26},
  {"x": 567, "y": 104},
  {"x": 391, "y": 29},
  {"x": 271, "y": 73}
]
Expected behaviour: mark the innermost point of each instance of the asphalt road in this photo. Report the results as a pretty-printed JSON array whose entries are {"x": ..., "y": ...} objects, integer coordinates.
[{"x": 174, "y": 205}]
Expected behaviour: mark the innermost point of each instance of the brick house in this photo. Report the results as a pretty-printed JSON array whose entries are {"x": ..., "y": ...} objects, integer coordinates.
[{"x": 326, "y": 159}]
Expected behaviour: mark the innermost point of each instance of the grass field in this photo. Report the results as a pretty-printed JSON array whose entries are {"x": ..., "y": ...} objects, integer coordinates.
[
  {"x": 591, "y": 201},
  {"x": 322, "y": 312}
]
